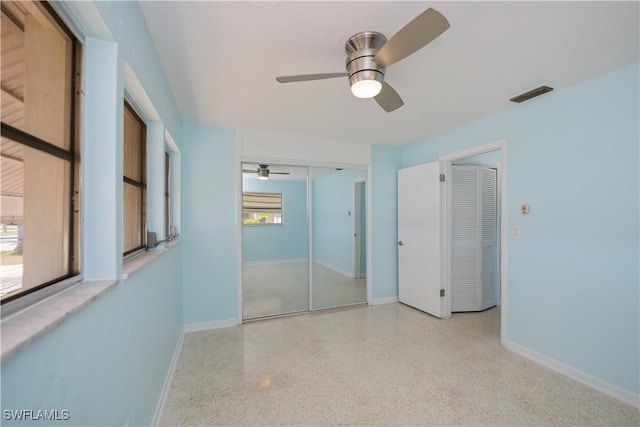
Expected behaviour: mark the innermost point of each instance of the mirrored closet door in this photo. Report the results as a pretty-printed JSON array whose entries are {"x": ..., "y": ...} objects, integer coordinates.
[
  {"x": 303, "y": 239},
  {"x": 275, "y": 275},
  {"x": 338, "y": 237}
]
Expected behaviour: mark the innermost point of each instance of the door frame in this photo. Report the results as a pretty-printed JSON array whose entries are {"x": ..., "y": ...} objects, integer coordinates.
[
  {"x": 445, "y": 167},
  {"x": 357, "y": 226}
]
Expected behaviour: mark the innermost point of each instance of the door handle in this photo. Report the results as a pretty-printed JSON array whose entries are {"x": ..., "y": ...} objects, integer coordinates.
[{"x": 400, "y": 243}]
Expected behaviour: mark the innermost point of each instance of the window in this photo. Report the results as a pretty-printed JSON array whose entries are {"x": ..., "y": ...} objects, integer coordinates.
[
  {"x": 39, "y": 223},
  {"x": 261, "y": 208},
  {"x": 134, "y": 182}
]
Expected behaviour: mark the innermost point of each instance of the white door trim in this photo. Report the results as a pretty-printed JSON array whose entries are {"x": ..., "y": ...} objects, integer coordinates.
[
  {"x": 445, "y": 165},
  {"x": 238, "y": 190},
  {"x": 357, "y": 209},
  {"x": 310, "y": 254},
  {"x": 368, "y": 235}
]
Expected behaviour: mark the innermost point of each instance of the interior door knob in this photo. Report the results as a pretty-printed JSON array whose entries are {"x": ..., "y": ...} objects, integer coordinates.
[{"x": 400, "y": 243}]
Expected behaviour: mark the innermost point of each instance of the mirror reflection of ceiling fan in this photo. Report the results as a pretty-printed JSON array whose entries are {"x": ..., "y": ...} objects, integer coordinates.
[
  {"x": 369, "y": 53},
  {"x": 263, "y": 172}
]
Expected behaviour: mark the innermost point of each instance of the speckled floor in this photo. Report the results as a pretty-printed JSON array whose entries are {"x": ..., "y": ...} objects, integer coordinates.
[{"x": 382, "y": 365}]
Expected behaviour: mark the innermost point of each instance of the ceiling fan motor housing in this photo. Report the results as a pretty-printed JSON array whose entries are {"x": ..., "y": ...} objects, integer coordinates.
[{"x": 361, "y": 49}]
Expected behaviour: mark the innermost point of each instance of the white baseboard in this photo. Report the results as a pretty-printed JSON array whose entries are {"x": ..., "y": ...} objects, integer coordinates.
[
  {"x": 576, "y": 374},
  {"x": 275, "y": 261},
  {"x": 215, "y": 324},
  {"x": 162, "y": 400},
  {"x": 385, "y": 300},
  {"x": 336, "y": 269}
]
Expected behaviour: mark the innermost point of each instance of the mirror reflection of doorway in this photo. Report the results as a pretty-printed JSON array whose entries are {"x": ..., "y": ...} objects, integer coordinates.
[
  {"x": 290, "y": 212},
  {"x": 360, "y": 199},
  {"x": 338, "y": 239}
]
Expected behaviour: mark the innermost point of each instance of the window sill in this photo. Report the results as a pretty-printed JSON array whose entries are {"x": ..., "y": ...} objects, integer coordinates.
[
  {"x": 135, "y": 263},
  {"x": 21, "y": 329}
]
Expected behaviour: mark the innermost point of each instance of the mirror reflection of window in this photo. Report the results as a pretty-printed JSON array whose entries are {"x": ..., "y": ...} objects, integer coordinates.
[
  {"x": 261, "y": 208},
  {"x": 275, "y": 240}
]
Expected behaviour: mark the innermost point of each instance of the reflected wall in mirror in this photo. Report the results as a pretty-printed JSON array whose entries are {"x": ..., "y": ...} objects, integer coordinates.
[
  {"x": 274, "y": 240},
  {"x": 338, "y": 230}
]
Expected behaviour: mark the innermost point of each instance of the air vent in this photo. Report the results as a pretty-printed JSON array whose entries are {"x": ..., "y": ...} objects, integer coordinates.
[{"x": 531, "y": 94}]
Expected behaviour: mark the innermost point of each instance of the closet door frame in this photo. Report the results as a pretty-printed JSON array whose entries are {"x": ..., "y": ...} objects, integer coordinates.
[
  {"x": 308, "y": 164},
  {"x": 446, "y": 166}
]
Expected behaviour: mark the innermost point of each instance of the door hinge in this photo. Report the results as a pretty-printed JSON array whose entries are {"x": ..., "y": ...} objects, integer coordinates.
[
  {"x": 441, "y": 292},
  {"x": 441, "y": 177}
]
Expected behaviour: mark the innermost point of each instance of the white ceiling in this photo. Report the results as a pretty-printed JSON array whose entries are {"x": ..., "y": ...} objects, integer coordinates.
[{"x": 221, "y": 59}]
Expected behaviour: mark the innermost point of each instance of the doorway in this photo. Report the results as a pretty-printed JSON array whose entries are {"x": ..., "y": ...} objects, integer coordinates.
[
  {"x": 360, "y": 227},
  {"x": 425, "y": 232},
  {"x": 494, "y": 156},
  {"x": 474, "y": 234}
]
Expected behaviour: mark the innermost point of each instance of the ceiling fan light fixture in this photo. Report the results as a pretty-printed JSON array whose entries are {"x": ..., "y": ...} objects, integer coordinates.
[
  {"x": 366, "y": 88},
  {"x": 263, "y": 174},
  {"x": 366, "y": 84},
  {"x": 369, "y": 53}
]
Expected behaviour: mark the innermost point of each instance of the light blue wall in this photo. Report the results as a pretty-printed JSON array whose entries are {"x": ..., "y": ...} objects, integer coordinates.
[
  {"x": 333, "y": 210},
  {"x": 385, "y": 162},
  {"x": 573, "y": 156},
  {"x": 127, "y": 24},
  {"x": 107, "y": 363},
  {"x": 209, "y": 223},
  {"x": 278, "y": 241},
  {"x": 102, "y": 207}
]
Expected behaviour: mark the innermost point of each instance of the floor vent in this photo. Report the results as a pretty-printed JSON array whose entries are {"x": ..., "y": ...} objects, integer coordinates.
[{"x": 531, "y": 94}]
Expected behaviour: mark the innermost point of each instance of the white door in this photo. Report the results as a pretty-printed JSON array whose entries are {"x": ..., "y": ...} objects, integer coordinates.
[
  {"x": 419, "y": 259},
  {"x": 489, "y": 238},
  {"x": 473, "y": 234}
]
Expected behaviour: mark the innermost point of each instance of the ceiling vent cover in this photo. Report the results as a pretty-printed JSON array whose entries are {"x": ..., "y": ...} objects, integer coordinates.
[{"x": 531, "y": 94}]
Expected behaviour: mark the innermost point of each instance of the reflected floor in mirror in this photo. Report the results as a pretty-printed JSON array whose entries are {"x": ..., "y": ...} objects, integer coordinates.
[{"x": 277, "y": 288}]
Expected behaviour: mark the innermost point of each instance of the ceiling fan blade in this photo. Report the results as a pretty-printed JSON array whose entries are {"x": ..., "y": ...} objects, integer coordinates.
[
  {"x": 248, "y": 171},
  {"x": 388, "y": 98},
  {"x": 416, "y": 34},
  {"x": 280, "y": 173},
  {"x": 307, "y": 77}
]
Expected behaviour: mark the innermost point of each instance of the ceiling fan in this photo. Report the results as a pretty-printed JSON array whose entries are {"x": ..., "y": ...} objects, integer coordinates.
[
  {"x": 369, "y": 53},
  {"x": 263, "y": 172}
]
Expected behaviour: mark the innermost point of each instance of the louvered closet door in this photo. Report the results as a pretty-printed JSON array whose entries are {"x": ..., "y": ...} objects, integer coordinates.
[
  {"x": 473, "y": 238},
  {"x": 489, "y": 236},
  {"x": 465, "y": 239}
]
